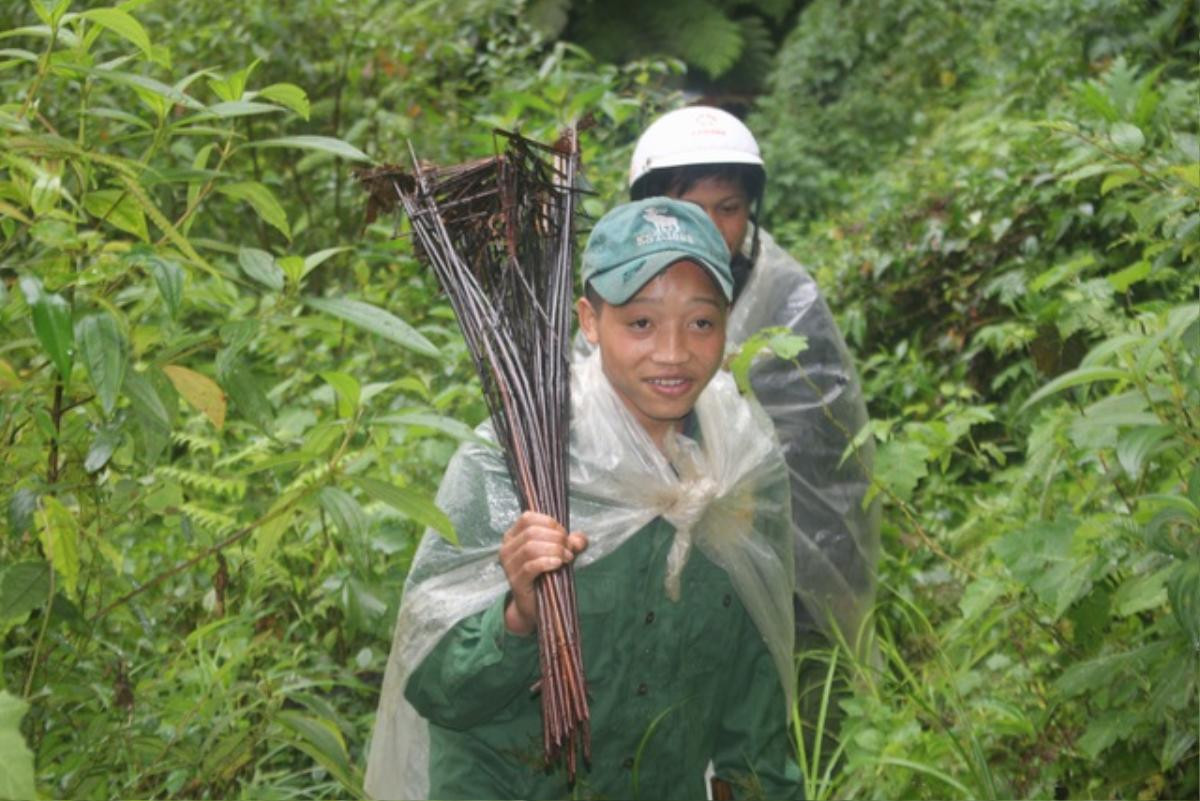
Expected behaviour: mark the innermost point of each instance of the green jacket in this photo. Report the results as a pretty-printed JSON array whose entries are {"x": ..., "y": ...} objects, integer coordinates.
[{"x": 671, "y": 685}]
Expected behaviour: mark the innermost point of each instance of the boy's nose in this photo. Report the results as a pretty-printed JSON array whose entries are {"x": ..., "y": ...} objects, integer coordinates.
[{"x": 671, "y": 348}]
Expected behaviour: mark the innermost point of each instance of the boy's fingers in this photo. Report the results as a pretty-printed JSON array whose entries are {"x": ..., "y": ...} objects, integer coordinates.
[{"x": 577, "y": 541}]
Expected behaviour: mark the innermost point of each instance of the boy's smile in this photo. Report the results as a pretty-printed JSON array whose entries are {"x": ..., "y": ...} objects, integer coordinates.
[{"x": 660, "y": 349}]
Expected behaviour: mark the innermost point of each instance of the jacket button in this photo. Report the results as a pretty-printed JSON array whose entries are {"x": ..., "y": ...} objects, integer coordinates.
[
  {"x": 642, "y": 689},
  {"x": 649, "y": 618},
  {"x": 726, "y": 601}
]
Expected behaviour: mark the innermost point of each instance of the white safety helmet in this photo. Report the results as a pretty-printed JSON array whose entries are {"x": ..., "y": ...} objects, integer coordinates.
[{"x": 693, "y": 135}]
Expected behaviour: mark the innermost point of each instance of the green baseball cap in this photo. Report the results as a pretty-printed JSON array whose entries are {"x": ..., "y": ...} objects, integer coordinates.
[{"x": 636, "y": 241}]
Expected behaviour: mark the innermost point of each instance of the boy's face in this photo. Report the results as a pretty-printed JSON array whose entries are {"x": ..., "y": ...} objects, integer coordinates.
[
  {"x": 726, "y": 204},
  {"x": 660, "y": 349}
]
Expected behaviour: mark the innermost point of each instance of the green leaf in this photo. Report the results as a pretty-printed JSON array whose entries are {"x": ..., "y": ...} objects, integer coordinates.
[
  {"x": 324, "y": 144},
  {"x": 314, "y": 260},
  {"x": 287, "y": 94},
  {"x": 375, "y": 320},
  {"x": 1128, "y": 138},
  {"x": 1183, "y": 593},
  {"x": 1105, "y": 730},
  {"x": 59, "y": 535},
  {"x": 321, "y": 740},
  {"x": 260, "y": 265},
  {"x": 1115, "y": 180},
  {"x": 348, "y": 392},
  {"x": 262, "y": 200},
  {"x": 1123, "y": 279},
  {"x": 119, "y": 209},
  {"x": 412, "y": 504},
  {"x": 105, "y": 356},
  {"x": 122, "y": 24},
  {"x": 168, "y": 276},
  {"x": 247, "y": 395},
  {"x": 1141, "y": 593},
  {"x": 899, "y": 465},
  {"x": 447, "y": 425},
  {"x": 1075, "y": 378},
  {"x": 52, "y": 324},
  {"x": 24, "y": 587},
  {"x": 1136, "y": 445},
  {"x": 106, "y": 441},
  {"x": 16, "y": 780},
  {"x": 153, "y": 421},
  {"x": 233, "y": 108},
  {"x": 347, "y": 515}
]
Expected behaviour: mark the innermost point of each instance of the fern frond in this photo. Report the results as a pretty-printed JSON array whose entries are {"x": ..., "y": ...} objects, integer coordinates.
[
  {"x": 256, "y": 447},
  {"x": 309, "y": 477},
  {"x": 196, "y": 442},
  {"x": 213, "y": 522},
  {"x": 699, "y": 33},
  {"x": 234, "y": 488}
]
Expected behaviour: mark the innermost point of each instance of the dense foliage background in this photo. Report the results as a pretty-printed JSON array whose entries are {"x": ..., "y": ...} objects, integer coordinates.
[{"x": 226, "y": 401}]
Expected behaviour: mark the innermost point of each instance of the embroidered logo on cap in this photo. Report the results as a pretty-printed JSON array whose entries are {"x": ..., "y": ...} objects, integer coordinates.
[{"x": 666, "y": 228}]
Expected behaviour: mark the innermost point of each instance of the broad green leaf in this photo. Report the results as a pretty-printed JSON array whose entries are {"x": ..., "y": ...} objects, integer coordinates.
[
  {"x": 438, "y": 422},
  {"x": 375, "y": 320},
  {"x": 1183, "y": 592},
  {"x": 24, "y": 586},
  {"x": 1075, "y": 378},
  {"x": 260, "y": 265},
  {"x": 322, "y": 741},
  {"x": 21, "y": 507},
  {"x": 9, "y": 210},
  {"x": 1115, "y": 180},
  {"x": 287, "y": 94},
  {"x": 59, "y": 535},
  {"x": 262, "y": 201},
  {"x": 899, "y": 465},
  {"x": 236, "y": 108},
  {"x": 247, "y": 395},
  {"x": 348, "y": 392},
  {"x": 1140, "y": 593},
  {"x": 168, "y": 276},
  {"x": 52, "y": 324},
  {"x": 1104, "y": 730},
  {"x": 105, "y": 355},
  {"x": 153, "y": 421},
  {"x": 1136, "y": 445},
  {"x": 200, "y": 391},
  {"x": 1188, "y": 172},
  {"x": 314, "y": 260},
  {"x": 1127, "y": 137},
  {"x": 106, "y": 441},
  {"x": 122, "y": 24},
  {"x": 347, "y": 515},
  {"x": 324, "y": 144},
  {"x": 159, "y": 89},
  {"x": 1123, "y": 279},
  {"x": 118, "y": 208},
  {"x": 16, "y": 779},
  {"x": 412, "y": 504}
]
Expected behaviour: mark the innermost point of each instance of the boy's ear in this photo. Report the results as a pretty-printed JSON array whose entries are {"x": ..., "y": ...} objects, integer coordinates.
[{"x": 588, "y": 320}]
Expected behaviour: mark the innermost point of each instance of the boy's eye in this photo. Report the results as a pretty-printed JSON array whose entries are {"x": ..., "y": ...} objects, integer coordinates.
[{"x": 639, "y": 324}]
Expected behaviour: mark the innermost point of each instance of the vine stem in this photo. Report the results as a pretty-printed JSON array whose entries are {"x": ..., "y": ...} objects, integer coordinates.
[
  {"x": 207, "y": 552},
  {"x": 37, "y": 646}
]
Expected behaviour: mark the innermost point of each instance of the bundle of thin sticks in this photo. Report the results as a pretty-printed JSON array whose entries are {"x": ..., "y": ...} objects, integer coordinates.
[{"x": 498, "y": 234}]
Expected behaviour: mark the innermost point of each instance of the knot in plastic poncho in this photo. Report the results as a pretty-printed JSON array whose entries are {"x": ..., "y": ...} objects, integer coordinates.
[{"x": 725, "y": 492}]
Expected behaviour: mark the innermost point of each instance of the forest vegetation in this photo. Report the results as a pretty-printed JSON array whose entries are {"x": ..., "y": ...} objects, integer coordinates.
[{"x": 226, "y": 400}]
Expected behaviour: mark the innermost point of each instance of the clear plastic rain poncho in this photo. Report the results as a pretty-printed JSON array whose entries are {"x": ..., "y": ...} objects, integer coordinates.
[
  {"x": 817, "y": 407},
  {"x": 725, "y": 493}
]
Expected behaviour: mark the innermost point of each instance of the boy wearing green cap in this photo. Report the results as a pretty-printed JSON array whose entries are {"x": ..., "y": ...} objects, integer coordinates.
[{"x": 679, "y": 502}]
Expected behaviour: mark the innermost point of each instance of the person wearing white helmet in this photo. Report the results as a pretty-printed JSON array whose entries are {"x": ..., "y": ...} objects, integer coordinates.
[{"x": 709, "y": 157}]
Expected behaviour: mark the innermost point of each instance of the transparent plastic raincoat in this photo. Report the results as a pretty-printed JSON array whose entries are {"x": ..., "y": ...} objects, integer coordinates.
[
  {"x": 817, "y": 408},
  {"x": 725, "y": 493}
]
